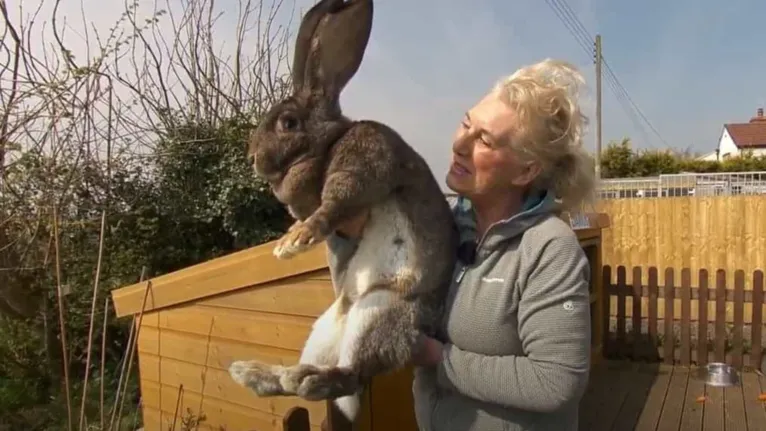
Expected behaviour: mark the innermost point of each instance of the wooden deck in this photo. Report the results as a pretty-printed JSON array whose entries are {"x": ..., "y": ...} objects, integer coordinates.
[{"x": 642, "y": 396}]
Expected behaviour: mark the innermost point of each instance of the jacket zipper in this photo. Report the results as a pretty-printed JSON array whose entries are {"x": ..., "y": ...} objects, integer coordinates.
[{"x": 460, "y": 274}]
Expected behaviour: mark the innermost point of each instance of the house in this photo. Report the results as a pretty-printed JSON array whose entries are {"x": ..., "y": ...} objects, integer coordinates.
[
  {"x": 709, "y": 157},
  {"x": 740, "y": 137}
]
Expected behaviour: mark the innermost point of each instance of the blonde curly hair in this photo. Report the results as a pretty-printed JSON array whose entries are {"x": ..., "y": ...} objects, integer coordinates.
[{"x": 550, "y": 128}]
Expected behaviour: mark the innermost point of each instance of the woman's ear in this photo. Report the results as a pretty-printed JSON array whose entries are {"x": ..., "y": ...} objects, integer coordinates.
[{"x": 527, "y": 174}]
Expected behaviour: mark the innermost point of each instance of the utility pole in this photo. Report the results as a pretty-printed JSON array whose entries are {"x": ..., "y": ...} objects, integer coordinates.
[{"x": 599, "y": 61}]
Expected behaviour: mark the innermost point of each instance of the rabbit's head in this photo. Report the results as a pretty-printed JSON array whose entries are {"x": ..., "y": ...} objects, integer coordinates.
[{"x": 298, "y": 131}]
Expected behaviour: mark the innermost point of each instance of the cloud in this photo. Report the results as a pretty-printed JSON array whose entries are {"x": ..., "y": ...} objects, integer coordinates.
[{"x": 688, "y": 65}]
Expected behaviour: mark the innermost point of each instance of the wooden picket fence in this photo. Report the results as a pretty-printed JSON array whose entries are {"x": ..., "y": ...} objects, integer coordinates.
[{"x": 678, "y": 337}]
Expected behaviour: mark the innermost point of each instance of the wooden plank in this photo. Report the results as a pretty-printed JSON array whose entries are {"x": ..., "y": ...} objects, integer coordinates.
[
  {"x": 393, "y": 392},
  {"x": 587, "y": 234},
  {"x": 720, "y": 316},
  {"x": 597, "y": 306},
  {"x": 299, "y": 296},
  {"x": 608, "y": 348},
  {"x": 621, "y": 342},
  {"x": 737, "y": 348},
  {"x": 734, "y": 409},
  {"x": 639, "y": 348},
  {"x": 596, "y": 393},
  {"x": 250, "y": 267},
  {"x": 686, "y": 317},
  {"x": 336, "y": 420},
  {"x": 694, "y": 405},
  {"x": 267, "y": 329},
  {"x": 640, "y": 382},
  {"x": 614, "y": 397},
  {"x": 208, "y": 351},
  {"x": 321, "y": 275},
  {"x": 702, "y": 335},
  {"x": 672, "y": 409},
  {"x": 754, "y": 408},
  {"x": 216, "y": 384},
  {"x": 652, "y": 310},
  {"x": 714, "y": 416},
  {"x": 650, "y": 415},
  {"x": 364, "y": 420},
  {"x": 757, "y": 319},
  {"x": 669, "y": 342},
  {"x": 152, "y": 420}
]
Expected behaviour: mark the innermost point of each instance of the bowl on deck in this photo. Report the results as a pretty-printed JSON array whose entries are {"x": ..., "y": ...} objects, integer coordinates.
[{"x": 719, "y": 374}]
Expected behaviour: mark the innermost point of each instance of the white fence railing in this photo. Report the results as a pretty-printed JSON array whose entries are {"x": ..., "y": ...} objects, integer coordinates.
[{"x": 691, "y": 184}]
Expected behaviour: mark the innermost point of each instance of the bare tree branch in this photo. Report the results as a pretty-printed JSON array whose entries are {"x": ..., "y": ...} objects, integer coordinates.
[{"x": 69, "y": 115}]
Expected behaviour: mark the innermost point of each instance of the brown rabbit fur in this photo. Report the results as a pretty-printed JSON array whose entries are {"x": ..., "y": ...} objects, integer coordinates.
[{"x": 326, "y": 168}]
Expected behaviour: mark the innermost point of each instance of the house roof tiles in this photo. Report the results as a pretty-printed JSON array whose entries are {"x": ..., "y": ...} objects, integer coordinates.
[{"x": 751, "y": 134}]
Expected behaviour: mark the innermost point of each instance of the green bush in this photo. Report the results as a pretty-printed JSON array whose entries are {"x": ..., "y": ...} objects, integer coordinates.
[
  {"x": 200, "y": 200},
  {"x": 620, "y": 160}
]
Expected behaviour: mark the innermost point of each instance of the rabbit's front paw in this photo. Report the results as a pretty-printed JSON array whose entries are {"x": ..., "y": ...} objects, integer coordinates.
[
  {"x": 299, "y": 238},
  {"x": 328, "y": 383},
  {"x": 263, "y": 379}
]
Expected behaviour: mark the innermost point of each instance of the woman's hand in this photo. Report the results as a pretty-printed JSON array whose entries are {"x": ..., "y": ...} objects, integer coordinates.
[{"x": 428, "y": 351}]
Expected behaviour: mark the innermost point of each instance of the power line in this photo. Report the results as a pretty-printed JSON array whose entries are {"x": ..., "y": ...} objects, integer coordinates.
[
  {"x": 586, "y": 41},
  {"x": 626, "y": 106},
  {"x": 630, "y": 100},
  {"x": 581, "y": 35}
]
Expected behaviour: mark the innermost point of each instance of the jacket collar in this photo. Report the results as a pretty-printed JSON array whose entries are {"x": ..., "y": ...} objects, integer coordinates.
[{"x": 536, "y": 207}]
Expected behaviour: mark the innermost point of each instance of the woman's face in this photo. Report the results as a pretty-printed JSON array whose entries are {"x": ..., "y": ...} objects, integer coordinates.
[{"x": 483, "y": 162}]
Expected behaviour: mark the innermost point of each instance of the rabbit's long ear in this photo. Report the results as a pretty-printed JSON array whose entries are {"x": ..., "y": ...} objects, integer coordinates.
[{"x": 330, "y": 46}]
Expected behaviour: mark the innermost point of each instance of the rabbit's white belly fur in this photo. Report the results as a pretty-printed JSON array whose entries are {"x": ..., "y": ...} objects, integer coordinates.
[{"x": 386, "y": 252}]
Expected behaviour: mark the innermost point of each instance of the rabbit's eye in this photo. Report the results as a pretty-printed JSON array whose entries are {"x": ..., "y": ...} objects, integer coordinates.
[{"x": 287, "y": 123}]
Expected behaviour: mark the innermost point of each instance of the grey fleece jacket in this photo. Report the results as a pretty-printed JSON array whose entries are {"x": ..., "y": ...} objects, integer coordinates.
[{"x": 517, "y": 329}]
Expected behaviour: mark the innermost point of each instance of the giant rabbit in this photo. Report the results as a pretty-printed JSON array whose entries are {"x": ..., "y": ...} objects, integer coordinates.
[{"x": 327, "y": 169}]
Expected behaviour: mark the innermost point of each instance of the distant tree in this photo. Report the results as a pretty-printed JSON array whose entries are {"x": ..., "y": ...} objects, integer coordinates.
[
  {"x": 653, "y": 163},
  {"x": 620, "y": 160},
  {"x": 617, "y": 160}
]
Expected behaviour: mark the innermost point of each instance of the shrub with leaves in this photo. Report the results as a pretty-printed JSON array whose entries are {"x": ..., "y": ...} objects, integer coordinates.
[
  {"x": 201, "y": 200},
  {"x": 620, "y": 160},
  {"x": 209, "y": 201},
  {"x": 147, "y": 129}
]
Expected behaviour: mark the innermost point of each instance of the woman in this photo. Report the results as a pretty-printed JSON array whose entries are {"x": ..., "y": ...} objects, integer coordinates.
[{"x": 515, "y": 353}]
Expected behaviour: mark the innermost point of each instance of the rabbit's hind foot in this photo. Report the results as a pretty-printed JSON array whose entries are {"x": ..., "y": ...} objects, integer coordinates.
[
  {"x": 327, "y": 383},
  {"x": 299, "y": 238},
  {"x": 273, "y": 380}
]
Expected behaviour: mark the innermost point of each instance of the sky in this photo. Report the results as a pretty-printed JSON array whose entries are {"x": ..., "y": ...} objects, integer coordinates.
[{"x": 688, "y": 65}]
